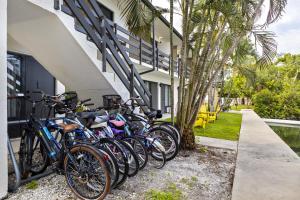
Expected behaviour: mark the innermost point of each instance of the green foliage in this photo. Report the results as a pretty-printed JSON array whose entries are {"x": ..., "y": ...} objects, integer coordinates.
[
  {"x": 190, "y": 182},
  {"x": 32, "y": 185},
  {"x": 194, "y": 178},
  {"x": 202, "y": 149},
  {"x": 278, "y": 89},
  {"x": 290, "y": 104},
  {"x": 169, "y": 193},
  {"x": 285, "y": 105},
  {"x": 227, "y": 127},
  {"x": 266, "y": 103},
  {"x": 240, "y": 107},
  {"x": 236, "y": 87},
  {"x": 274, "y": 91}
]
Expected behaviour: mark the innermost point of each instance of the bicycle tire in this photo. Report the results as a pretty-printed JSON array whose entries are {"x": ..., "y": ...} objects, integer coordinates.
[
  {"x": 133, "y": 160},
  {"x": 171, "y": 151},
  {"x": 112, "y": 165},
  {"x": 175, "y": 130},
  {"x": 26, "y": 153},
  {"x": 162, "y": 159},
  {"x": 122, "y": 160},
  {"x": 141, "y": 152},
  {"x": 91, "y": 151}
]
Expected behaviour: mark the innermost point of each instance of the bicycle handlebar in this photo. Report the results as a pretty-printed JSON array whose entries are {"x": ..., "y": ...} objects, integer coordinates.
[
  {"x": 89, "y": 104},
  {"x": 86, "y": 100}
]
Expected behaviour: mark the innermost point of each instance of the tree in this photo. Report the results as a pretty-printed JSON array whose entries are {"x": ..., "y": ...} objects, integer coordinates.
[
  {"x": 212, "y": 31},
  {"x": 277, "y": 91},
  {"x": 274, "y": 91}
]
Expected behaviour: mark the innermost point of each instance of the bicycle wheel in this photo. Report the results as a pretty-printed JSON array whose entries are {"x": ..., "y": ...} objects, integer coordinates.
[
  {"x": 158, "y": 158},
  {"x": 139, "y": 149},
  {"x": 172, "y": 129},
  {"x": 115, "y": 148},
  {"x": 86, "y": 173},
  {"x": 111, "y": 164},
  {"x": 167, "y": 139},
  {"x": 133, "y": 160},
  {"x": 33, "y": 157},
  {"x": 40, "y": 159}
]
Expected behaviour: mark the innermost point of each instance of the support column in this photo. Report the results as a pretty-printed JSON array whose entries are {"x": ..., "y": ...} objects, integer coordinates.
[
  {"x": 159, "y": 95},
  {"x": 3, "y": 98}
]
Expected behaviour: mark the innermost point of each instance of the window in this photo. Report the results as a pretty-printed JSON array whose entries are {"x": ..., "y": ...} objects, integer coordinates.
[
  {"x": 153, "y": 88},
  {"x": 14, "y": 84},
  {"x": 107, "y": 12},
  {"x": 165, "y": 97}
]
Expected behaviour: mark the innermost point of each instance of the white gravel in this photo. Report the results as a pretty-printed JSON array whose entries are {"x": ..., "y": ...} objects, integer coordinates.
[{"x": 206, "y": 174}]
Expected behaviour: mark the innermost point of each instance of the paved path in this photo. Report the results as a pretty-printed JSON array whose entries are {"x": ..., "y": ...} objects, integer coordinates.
[
  {"x": 219, "y": 143},
  {"x": 266, "y": 168}
]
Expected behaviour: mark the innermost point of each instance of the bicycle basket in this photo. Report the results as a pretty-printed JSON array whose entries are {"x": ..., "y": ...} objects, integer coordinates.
[
  {"x": 111, "y": 101},
  {"x": 70, "y": 100}
]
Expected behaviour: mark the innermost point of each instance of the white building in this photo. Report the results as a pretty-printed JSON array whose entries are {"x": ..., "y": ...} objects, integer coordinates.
[{"x": 44, "y": 45}]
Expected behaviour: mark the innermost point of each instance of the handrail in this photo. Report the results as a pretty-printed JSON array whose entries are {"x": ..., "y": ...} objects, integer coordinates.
[
  {"x": 141, "y": 46},
  {"x": 105, "y": 39}
]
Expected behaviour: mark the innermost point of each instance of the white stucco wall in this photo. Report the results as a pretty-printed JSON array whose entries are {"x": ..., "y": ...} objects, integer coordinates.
[
  {"x": 3, "y": 98},
  {"x": 59, "y": 87}
]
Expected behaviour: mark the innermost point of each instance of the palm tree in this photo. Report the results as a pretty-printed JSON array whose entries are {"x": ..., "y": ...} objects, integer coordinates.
[
  {"x": 211, "y": 32},
  {"x": 138, "y": 17}
]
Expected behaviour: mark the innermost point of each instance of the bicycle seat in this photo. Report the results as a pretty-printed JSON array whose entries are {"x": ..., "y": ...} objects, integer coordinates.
[
  {"x": 154, "y": 114},
  {"x": 69, "y": 127},
  {"x": 117, "y": 123}
]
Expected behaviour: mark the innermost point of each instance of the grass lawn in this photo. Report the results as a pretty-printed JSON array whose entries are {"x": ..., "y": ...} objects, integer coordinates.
[
  {"x": 227, "y": 127},
  {"x": 240, "y": 107}
]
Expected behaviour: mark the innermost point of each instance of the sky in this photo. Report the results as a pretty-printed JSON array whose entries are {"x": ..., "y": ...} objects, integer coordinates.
[{"x": 287, "y": 29}]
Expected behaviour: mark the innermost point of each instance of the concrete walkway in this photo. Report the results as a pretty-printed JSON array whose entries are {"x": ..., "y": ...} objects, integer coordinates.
[
  {"x": 218, "y": 143},
  {"x": 266, "y": 168}
]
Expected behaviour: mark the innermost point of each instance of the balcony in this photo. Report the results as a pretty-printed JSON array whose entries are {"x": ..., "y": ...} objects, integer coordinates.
[{"x": 140, "y": 51}]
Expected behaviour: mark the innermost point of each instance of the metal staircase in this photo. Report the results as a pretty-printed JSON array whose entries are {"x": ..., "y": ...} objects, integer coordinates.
[{"x": 100, "y": 31}]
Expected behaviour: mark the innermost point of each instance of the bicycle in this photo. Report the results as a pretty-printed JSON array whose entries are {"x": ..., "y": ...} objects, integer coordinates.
[{"x": 83, "y": 165}]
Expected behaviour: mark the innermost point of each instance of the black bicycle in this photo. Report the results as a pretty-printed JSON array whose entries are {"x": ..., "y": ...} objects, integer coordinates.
[{"x": 83, "y": 164}]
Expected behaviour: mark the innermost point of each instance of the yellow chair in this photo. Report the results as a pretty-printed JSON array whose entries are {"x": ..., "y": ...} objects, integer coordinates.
[
  {"x": 203, "y": 113},
  {"x": 209, "y": 116},
  {"x": 200, "y": 122}
]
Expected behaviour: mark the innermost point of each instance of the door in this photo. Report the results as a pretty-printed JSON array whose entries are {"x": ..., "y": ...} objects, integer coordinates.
[
  {"x": 24, "y": 75},
  {"x": 153, "y": 88}
]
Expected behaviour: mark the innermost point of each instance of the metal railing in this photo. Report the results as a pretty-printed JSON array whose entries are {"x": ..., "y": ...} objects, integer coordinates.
[
  {"x": 100, "y": 31},
  {"x": 136, "y": 48}
]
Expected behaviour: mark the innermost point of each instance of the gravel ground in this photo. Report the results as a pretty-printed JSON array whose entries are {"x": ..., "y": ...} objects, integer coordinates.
[{"x": 206, "y": 174}]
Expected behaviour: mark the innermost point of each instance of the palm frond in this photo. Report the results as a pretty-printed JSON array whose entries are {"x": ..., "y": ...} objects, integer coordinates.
[
  {"x": 268, "y": 44},
  {"x": 244, "y": 49},
  {"x": 138, "y": 17},
  {"x": 276, "y": 10},
  {"x": 249, "y": 73}
]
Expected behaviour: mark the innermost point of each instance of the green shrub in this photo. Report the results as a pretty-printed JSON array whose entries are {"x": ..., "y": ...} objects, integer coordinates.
[
  {"x": 266, "y": 104},
  {"x": 290, "y": 105},
  {"x": 285, "y": 105}
]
